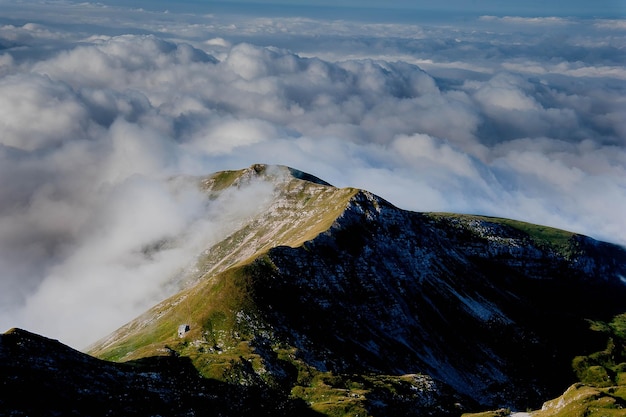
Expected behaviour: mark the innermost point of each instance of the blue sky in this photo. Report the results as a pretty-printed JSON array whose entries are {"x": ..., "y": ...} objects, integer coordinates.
[{"x": 510, "y": 109}]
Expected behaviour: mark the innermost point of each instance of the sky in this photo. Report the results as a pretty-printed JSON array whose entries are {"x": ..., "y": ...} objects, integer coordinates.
[{"x": 509, "y": 109}]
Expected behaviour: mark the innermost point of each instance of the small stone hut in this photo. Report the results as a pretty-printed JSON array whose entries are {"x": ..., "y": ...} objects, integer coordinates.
[{"x": 182, "y": 329}]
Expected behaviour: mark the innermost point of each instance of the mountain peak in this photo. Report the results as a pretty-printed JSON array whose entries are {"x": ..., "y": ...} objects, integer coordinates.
[{"x": 278, "y": 174}]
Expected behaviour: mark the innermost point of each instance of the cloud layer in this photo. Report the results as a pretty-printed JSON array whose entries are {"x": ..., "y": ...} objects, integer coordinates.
[{"x": 486, "y": 116}]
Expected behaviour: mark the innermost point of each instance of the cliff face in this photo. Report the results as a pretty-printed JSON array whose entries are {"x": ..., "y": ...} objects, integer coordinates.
[{"x": 339, "y": 300}]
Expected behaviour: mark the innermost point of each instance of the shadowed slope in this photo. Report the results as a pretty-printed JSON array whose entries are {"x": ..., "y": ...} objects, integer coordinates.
[{"x": 42, "y": 377}]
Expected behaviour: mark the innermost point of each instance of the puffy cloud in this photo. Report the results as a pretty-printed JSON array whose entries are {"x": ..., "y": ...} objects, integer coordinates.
[
  {"x": 39, "y": 113},
  {"x": 28, "y": 33},
  {"x": 121, "y": 62},
  {"x": 423, "y": 150},
  {"x": 503, "y": 92},
  {"x": 227, "y": 134},
  {"x": 98, "y": 119}
]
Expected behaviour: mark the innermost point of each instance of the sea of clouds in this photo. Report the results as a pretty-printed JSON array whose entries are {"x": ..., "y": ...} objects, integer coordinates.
[{"x": 103, "y": 107}]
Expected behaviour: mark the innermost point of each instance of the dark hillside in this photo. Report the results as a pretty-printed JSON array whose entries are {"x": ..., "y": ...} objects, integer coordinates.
[{"x": 42, "y": 377}]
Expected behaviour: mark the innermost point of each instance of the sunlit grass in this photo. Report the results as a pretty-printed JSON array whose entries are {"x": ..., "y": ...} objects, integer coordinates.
[{"x": 557, "y": 239}]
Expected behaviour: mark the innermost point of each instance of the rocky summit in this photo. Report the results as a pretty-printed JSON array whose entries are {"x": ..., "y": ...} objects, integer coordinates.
[{"x": 335, "y": 302}]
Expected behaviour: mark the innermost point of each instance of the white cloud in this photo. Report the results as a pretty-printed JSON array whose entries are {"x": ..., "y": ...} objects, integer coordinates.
[
  {"x": 613, "y": 24},
  {"x": 506, "y": 91},
  {"x": 38, "y": 112},
  {"x": 221, "y": 42},
  {"x": 29, "y": 33},
  {"x": 547, "y": 20},
  {"x": 423, "y": 150},
  {"x": 575, "y": 69},
  {"x": 225, "y": 135}
]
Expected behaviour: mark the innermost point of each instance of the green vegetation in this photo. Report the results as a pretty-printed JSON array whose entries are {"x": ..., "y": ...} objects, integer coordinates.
[
  {"x": 331, "y": 395},
  {"x": 586, "y": 401},
  {"x": 224, "y": 179},
  {"x": 210, "y": 309},
  {"x": 601, "y": 391},
  {"x": 557, "y": 238},
  {"x": 607, "y": 367},
  {"x": 543, "y": 236},
  {"x": 363, "y": 395}
]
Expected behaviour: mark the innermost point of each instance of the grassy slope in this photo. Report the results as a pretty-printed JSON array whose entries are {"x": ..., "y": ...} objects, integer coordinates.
[
  {"x": 579, "y": 400},
  {"x": 544, "y": 236}
]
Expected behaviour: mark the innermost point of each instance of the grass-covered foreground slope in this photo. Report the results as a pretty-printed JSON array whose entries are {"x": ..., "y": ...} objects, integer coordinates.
[
  {"x": 582, "y": 400},
  {"x": 337, "y": 298}
]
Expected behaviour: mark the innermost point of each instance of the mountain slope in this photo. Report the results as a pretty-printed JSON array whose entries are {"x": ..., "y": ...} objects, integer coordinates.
[
  {"x": 302, "y": 206},
  {"x": 336, "y": 293}
]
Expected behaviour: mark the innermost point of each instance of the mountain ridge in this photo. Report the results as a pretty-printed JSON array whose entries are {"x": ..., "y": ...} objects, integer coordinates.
[
  {"x": 338, "y": 298},
  {"x": 413, "y": 242}
]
